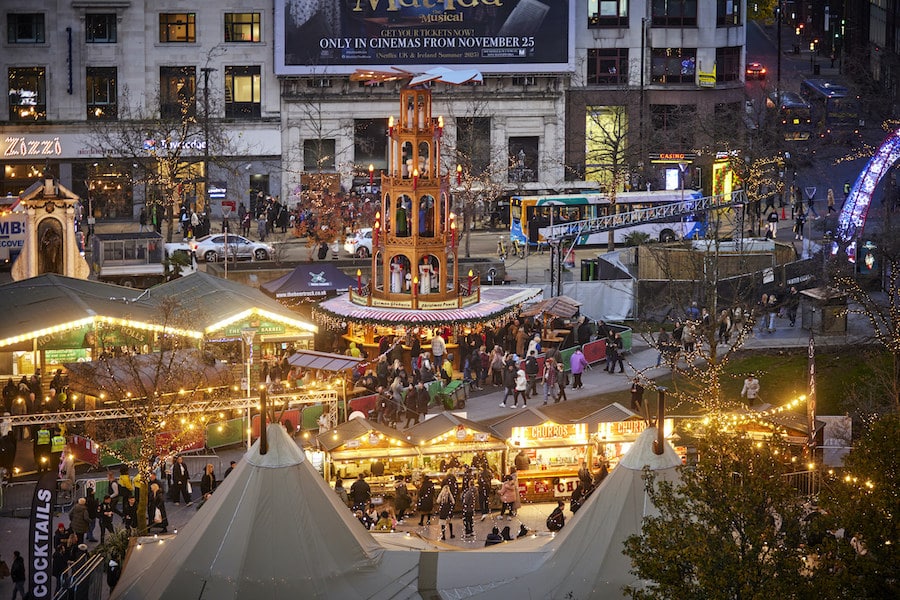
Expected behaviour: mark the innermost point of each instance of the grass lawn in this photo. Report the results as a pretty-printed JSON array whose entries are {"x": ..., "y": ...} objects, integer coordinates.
[{"x": 782, "y": 375}]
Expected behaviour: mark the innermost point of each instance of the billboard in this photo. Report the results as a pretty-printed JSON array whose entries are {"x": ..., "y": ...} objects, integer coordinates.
[{"x": 320, "y": 37}]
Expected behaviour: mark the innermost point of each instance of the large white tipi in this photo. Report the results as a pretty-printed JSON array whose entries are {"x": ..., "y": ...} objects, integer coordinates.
[{"x": 275, "y": 530}]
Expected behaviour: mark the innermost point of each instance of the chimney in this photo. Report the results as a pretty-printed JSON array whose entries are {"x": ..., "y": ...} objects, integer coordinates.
[
  {"x": 658, "y": 447},
  {"x": 49, "y": 187}
]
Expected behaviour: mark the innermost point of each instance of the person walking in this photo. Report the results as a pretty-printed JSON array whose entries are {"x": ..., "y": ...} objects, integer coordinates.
[
  {"x": 402, "y": 501},
  {"x": 180, "y": 480},
  {"x": 93, "y": 508},
  {"x": 799, "y": 224},
  {"x": 485, "y": 478},
  {"x": 509, "y": 382},
  {"x": 446, "y": 502},
  {"x": 425, "y": 504},
  {"x": 531, "y": 373},
  {"x": 549, "y": 380},
  {"x": 663, "y": 345},
  {"x": 157, "y": 500},
  {"x": 469, "y": 497},
  {"x": 521, "y": 387},
  {"x": 750, "y": 390},
  {"x": 792, "y": 303},
  {"x": 772, "y": 225},
  {"x": 562, "y": 380},
  {"x": 79, "y": 520},
  {"x": 17, "y": 573},
  {"x": 208, "y": 482},
  {"x": 508, "y": 497},
  {"x": 830, "y": 197},
  {"x": 106, "y": 512},
  {"x": 578, "y": 363},
  {"x": 142, "y": 219}
]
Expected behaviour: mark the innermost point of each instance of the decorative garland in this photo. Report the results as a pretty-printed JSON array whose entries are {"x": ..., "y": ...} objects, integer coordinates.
[{"x": 337, "y": 322}]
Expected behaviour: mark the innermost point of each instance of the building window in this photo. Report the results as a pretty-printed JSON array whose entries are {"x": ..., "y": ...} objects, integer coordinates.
[
  {"x": 728, "y": 64},
  {"x": 177, "y": 27},
  {"x": 674, "y": 13},
  {"x": 242, "y": 27},
  {"x": 473, "y": 144},
  {"x": 100, "y": 29},
  {"x": 728, "y": 13},
  {"x": 370, "y": 142},
  {"x": 607, "y": 13},
  {"x": 27, "y": 94},
  {"x": 523, "y": 159},
  {"x": 242, "y": 93},
  {"x": 673, "y": 65},
  {"x": 607, "y": 67},
  {"x": 177, "y": 92},
  {"x": 673, "y": 126},
  {"x": 102, "y": 94},
  {"x": 318, "y": 155},
  {"x": 25, "y": 28}
]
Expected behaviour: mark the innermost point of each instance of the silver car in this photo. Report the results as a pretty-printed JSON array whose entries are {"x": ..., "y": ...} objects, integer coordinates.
[{"x": 211, "y": 248}]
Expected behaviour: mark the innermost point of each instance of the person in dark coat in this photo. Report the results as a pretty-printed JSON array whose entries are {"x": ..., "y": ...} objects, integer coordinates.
[
  {"x": 557, "y": 519},
  {"x": 493, "y": 537},
  {"x": 180, "y": 478},
  {"x": 402, "y": 501},
  {"x": 426, "y": 500},
  {"x": 360, "y": 493},
  {"x": 105, "y": 514},
  {"x": 130, "y": 517},
  {"x": 469, "y": 499},
  {"x": 423, "y": 398},
  {"x": 446, "y": 502},
  {"x": 159, "y": 503},
  {"x": 411, "y": 405},
  {"x": 60, "y": 562},
  {"x": 113, "y": 573},
  {"x": 506, "y": 534}
]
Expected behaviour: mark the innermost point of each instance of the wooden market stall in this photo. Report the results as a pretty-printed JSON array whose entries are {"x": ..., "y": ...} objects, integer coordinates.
[
  {"x": 546, "y": 454},
  {"x": 362, "y": 446},
  {"x": 446, "y": 440}
]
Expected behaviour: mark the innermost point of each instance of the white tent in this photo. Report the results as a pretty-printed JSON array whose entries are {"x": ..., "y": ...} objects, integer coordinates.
[{"x": 275, "y": 530}]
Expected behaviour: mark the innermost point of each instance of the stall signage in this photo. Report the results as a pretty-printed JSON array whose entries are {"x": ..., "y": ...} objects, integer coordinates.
[
  {"x": 391, "y": 303},
  {"x": 621, "y": 428},
  {"x": 80, "y": 337},
  {"x": 481, "y": 437},
  {"x": 70, "y": 355},
  {"x": 550, "y": 430},
  {"x": 261, "y": 328},
  {"x": 28, "y": 146},
  {"x": 352, "y": 444},
  {"x": 564, "y": 487},
  {"x": 541, "y": 487},
  {"x": 461, "y": 433},
  {"x": 440, "y": 305},
  {"x": 373, "y": 439},
  {"x": 470, "y": 300}
]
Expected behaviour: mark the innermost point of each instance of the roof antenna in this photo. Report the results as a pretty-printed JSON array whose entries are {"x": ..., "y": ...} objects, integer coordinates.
[
  {"x": 658, "y": 447},
  {"x": 263, "y": 434}
]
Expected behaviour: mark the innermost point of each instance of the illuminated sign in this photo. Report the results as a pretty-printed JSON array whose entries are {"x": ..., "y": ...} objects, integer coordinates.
[
  {"x": 27, "y": 146},
  {"x": 549, "y": 431},
  {"x": 673, "y": 157},
  {"x": 319, "y": 37}
]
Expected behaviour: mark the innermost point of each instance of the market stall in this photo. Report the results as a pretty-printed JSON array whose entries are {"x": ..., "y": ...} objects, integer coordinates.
[
  {"x": 546, "y": 454},
  {"x": 362, "y": 446},
  {"x": 446, "y": 439},
  {"x": 614, "y": 428}
]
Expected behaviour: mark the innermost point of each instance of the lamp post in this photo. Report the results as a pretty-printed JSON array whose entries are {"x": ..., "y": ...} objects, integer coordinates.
[
  {"x": 248, "y": 335},
  {"x": 206, "y": 71}
]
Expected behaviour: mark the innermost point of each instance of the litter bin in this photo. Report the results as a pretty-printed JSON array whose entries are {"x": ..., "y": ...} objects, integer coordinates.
[
  {"x": 817, "y": 69},
  {"x": 590, "y": 269}
]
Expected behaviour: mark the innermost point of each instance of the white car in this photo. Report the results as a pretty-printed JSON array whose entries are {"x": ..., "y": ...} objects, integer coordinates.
[
  {"x": 359, "y": 244},
  {"x": 211, "y": 248}
]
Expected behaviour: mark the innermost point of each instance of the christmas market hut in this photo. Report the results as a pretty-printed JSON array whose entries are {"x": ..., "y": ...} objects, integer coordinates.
[
  {"x": 363, "y": 446},
  {"x": 446, "y": 439},
  {"x": 546, "y": 454}
]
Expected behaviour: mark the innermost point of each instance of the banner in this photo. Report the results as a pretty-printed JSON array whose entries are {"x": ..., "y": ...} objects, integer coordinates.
[
  {"x": 321, "y": 37},
  {"x": 40, "y": 531},
  {"x": 811, "y": 392}
]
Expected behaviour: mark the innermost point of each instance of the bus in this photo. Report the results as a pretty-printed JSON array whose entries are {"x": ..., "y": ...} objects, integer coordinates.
[
  {"x": 794, "y": 116},
  {"x": 833, "y": 108},
  {"x": 528, "y": 214}
]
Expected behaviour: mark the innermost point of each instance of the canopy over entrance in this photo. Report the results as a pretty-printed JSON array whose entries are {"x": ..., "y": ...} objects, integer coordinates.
[{"x": 309, "y": 281}]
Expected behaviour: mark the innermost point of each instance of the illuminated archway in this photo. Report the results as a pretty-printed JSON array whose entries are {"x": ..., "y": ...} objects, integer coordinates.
[{"x": 852, "y": 219}]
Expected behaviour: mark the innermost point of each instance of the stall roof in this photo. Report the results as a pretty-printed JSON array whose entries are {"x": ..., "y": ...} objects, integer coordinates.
[
  {"x": 559, "y": 306},
  {"x": 144, "y": 374},
  {"x": 523, "y": 418},
  {"x": 223, "y": 301},
  {"x": 324, "y": 361},
  {"x": 39, "y": 303},
  {"x": 443, "y": 423},
  {"x": 334, "y": 438},
  {"x": 306, "y": 281},
  {"x": 611, "y": 413}
]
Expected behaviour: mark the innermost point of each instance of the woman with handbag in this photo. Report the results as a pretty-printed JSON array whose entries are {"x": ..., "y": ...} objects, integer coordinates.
[{"x": 157, "y": 500}]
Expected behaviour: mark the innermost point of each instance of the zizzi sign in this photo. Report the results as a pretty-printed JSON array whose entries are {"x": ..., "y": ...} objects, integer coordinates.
[{"x": 24, "y": 146}]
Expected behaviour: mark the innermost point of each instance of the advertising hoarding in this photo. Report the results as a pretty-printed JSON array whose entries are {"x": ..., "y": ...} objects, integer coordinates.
[{"x": 319, "y": 37}]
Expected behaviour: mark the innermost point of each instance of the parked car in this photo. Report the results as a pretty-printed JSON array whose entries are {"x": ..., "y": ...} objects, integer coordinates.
[
  {"x": 211, "y": 248},
  {"x": 755, "y": 70},
  {"x": 359, "y": 244}
]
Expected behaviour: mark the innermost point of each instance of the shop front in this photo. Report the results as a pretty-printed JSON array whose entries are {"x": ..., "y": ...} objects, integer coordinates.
[
  {"x": 377, "y": 451},
  {"x": 449, "y": 443},
  {"x": 546, "y": 455}
]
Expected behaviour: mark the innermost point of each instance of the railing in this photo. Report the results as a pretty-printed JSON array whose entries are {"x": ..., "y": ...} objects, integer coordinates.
[
  {"x": 555, "y": 233},
  {"x": 84, "y": 579}
]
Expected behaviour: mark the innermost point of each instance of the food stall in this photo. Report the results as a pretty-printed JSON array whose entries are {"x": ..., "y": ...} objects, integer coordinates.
[
  {"x": 445, "y": 436},
  {"x": 546, "y": 454},
  {"x": 614, "y": 429},
  {"x": 362, "y": 446}
]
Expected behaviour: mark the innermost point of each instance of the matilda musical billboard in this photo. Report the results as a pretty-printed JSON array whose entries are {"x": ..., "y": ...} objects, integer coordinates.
[{"x": 320, "y": 37}]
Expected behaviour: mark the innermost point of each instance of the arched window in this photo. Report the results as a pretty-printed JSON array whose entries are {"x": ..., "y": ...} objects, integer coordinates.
[
  {"x": 400, "y": 275},
  {"x": 426, "y": 216},
  {"x": 403, "y": 216}
]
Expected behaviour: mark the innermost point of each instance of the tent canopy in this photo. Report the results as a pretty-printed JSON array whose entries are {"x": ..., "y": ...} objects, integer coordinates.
[
  {"x": 313, "y": 280},
  {"x": 324, "y": 361},
  {"x": 559, "y": 306}
]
